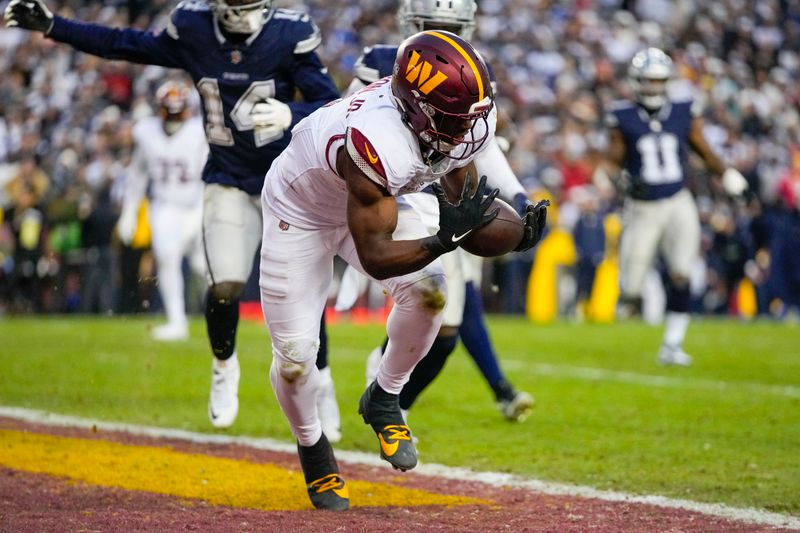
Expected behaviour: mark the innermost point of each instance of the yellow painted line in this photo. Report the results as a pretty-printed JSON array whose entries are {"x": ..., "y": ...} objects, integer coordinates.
[{"x": 162, "y": 470}]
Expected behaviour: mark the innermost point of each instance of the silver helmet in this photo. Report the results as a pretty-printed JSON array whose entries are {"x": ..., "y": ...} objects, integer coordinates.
[
  {"x": 457, "y": 16},
  {"x": 240, "y": 16},
  {"x": 649, "y": 72}
]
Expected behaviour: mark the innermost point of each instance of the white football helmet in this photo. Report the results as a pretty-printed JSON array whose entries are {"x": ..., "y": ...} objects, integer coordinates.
[
  {"x": 649, "y": 72},
  {"x": 456, "y": 16},
  {"x": 240, "y": 16}
]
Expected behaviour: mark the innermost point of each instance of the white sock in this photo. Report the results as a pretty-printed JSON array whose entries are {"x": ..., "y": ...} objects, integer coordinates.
[
  {"x": 325, "y": 376},
  {"x": 675, "y": 326}
]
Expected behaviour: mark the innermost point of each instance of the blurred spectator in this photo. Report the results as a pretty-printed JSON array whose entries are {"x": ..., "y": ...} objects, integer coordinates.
[{"x": 558, "y": 65}]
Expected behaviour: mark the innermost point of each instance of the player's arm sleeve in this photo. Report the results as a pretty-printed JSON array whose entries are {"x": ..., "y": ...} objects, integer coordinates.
[
  {"x": 136, "y": 180},
  {"x": 134, "y": 189},
  {"x": 492, "y": 163},
  {"x": 114, "y": 43}
]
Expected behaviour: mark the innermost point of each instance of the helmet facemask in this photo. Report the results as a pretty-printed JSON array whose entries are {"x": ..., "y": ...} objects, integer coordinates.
[
  {"x": 456, "y": 135},
  {"x": 242, "y": 17}
]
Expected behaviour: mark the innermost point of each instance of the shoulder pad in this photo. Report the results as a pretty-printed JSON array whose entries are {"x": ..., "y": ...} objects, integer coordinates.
[
  {"x": 179, "y": 18},
  {"x": 694, "y": 108},
  {"x": 366, "y": 157},
  {"x": 302, "y": 29},
  {"x": 375, "y": 63},
  {"x": 192, "y": 5},
  {"x": 144, "y": 127}
]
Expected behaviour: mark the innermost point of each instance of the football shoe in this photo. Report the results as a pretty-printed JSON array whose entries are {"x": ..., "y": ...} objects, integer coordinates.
[
  {"x": 325, "y": 486},
  {"x": 223, "y": 402},
  {"x": 170, "y": 333},
  {"x": 673, "y": 356},
  {"x": 381, "y": 410},
  {"x": 514, "y": 405}
]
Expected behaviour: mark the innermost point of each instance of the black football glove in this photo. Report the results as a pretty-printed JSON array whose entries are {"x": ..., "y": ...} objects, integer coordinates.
[
  {"x": 535, "y": 220},
  {"x": 29, "y": 15},
  {"x": 457, "y": 221}
]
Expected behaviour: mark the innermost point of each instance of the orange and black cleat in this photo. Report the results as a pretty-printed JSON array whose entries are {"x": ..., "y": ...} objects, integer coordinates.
[
  {"x": 381, "y": 410},
  {"x": 326, "y": 488},
  {"x": 330, "y": 493}
]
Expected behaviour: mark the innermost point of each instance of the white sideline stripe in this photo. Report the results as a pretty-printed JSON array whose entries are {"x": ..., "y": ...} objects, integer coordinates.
[
  {"x": 649, "y": 380},
  {"x": 748, "y": 515}
]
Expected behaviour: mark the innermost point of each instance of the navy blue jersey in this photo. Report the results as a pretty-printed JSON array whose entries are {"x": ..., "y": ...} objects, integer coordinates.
[
  {"x": 230, "y": 77},
  {"x": 377, "y": 62},
  {"x": 657, "y": 147}
]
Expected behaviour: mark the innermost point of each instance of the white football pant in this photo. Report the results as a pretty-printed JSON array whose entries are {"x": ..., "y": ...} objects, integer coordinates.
[
  {"x": 231, "y": 232},
  {"x": 296, "y": 272},
  {"x": 176, "y": 232},
  {"x": 671, "y": 226}
]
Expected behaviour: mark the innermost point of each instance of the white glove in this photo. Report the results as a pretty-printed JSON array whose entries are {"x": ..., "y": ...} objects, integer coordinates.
[
  {"x": 733, "y": 182},
  {"x": 126, "y": 226},
  {"x": 271, "y": 117}
]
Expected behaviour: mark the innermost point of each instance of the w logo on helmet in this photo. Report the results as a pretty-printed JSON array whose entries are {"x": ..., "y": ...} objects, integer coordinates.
[{"x": 420, "y": 73}]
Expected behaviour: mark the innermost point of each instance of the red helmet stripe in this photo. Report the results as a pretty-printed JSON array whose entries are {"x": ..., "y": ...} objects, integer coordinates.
[{"x": 466, "y": 56}]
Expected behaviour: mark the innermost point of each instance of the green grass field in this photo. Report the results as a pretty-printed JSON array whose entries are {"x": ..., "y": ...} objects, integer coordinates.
[{"x": 725, "y": 430}]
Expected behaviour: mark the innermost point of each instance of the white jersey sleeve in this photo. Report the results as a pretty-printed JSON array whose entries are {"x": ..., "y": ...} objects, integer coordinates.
[
  {"x": 383, "y": 150},
  {"x": 492, "y": 163}
]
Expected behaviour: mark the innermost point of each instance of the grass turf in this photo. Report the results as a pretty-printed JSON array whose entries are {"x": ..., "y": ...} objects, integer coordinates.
[{"x": 725, "y": 430}]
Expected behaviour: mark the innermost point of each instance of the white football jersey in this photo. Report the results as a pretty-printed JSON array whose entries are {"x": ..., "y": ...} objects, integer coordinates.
[
  {"x": 173, "y": 163},
  {"x": 302, "y": 186}
]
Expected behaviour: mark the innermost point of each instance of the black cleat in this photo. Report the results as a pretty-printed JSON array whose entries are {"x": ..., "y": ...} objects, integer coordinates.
[
  {"x": 326, "y": 488},
  {"x": 381, "y": 410}
]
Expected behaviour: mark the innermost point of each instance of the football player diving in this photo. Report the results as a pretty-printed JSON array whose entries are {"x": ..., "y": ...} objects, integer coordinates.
[
  {"x": 650, "y": 140},
  {"x": 246, "y": 60},
  {"x": 463, "y": 314},
  {"x": 336, "y": 190}
]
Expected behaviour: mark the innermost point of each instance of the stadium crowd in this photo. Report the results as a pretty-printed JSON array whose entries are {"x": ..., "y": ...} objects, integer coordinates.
[{"x": 66, "y": 120}]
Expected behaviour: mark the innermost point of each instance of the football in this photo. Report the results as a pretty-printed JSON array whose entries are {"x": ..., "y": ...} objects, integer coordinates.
[{"x": 499, "y": 236}]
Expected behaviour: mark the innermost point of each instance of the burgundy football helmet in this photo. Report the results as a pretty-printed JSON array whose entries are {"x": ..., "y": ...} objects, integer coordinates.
[
  {"x": 442, "y": 87},
  {"x": 173, "y": 105}
]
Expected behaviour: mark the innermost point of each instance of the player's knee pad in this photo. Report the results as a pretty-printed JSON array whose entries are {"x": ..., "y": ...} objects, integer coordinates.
[
  {"x": 226, "y": 290},
  {"x": 294, "y": 359},
  {"x": 629, "y": 306},
  {"x": 679, "y": 281}
]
